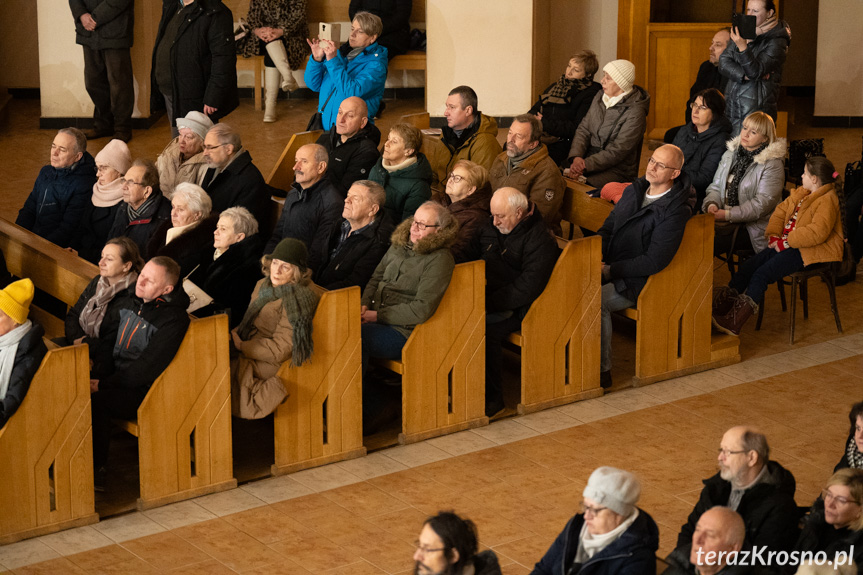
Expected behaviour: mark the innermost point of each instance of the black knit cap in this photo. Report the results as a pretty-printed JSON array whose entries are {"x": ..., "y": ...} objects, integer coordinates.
[{"x": 293, "y": 251}]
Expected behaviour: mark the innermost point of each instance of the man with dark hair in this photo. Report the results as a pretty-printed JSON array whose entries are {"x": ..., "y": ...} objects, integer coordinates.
[
  {"x": 352, "y": 144},
  {"x": 137, "y": 342},
  {"x": 526, "y": 166},
  {"x": 468, "y": 135},
  {"x": 144, "y": 208},
  {"x": 62, "y": 190},
  {"x": 760, "y": 490},
  {"x": 231, "y": 178},
  {"x": 448, "y": 545},
  {"x": 312, "y": 208}
]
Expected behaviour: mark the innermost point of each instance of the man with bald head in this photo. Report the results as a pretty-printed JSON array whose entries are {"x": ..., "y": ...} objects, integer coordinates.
[
  {"x": 352, "y": 144},
  {"x": 720, "y": 531},
  {"x": 312, "y": 207},
  {"x": 519, "y": 253},
  {"x": 760, "y": 490},
  {"x": 640, "y": 238}
]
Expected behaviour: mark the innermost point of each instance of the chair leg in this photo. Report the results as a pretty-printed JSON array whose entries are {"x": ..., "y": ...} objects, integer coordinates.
[
  {"x": 793, "y": 306},
  {"x": 830, "y": 280},
  {"x": 780, "y": 285},
  {"x": 760, "y": 315},
  {"x": 804, "y": 296}
]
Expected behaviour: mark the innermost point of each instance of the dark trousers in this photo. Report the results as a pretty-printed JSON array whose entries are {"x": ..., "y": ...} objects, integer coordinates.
[
  {"x": 380, "y": 340},
  {"x": 108, "y": 79},
  {"x": 764, "y": 268},
  {"x": 496, "y": 333},
  {"x": 108, "y": 404}
]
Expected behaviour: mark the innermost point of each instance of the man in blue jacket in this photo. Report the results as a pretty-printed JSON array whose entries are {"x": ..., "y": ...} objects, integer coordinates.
[
  {"x": 640, "y": 238},
  {"x": 62, "y": 190}
]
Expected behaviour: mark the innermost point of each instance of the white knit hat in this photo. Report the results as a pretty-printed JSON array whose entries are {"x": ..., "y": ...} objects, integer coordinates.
[
  {"x": 197, "y": 122},
  {"x": 614, "y": 488},
  {"x": 115, "y": 155},
  {"x": 622, "y": 72}
]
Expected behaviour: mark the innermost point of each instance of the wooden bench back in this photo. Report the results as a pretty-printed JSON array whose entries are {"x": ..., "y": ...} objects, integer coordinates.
[
  {"x": 321, "y": 420},
  {"x": 51, "y": 268},
  {"x": 582, "y": 210},
  {"x": 443, "y": 375},
  {"x": 282, "y": 174},
  {"x": 46, "y": 450},
  {"x": 560, "y": 333},
  {"x": 184, "y": 423}
]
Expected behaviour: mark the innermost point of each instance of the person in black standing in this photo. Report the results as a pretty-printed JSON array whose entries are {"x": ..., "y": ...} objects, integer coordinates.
[{"x": 395, "y": 15}]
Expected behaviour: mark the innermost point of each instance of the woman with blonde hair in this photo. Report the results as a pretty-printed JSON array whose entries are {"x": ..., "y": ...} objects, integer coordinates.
[{"x": 469, "y": 191}]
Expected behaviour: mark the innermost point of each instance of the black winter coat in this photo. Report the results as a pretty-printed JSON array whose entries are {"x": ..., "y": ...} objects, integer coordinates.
[
  {"x": 240, "y": 184},
  {"x": 395, "y": 15},
  {"x": 93, "y": 230},
  {"x": 73, "y": 329},
  {"x": 115, "y": 21},
  {"x": 203, "y": 61},
  {"x": 754, "y": 75},
  {"x": 702, "y": 153},
  {"x": 58, "y": 200},
  {"x": 768, "y": 509},
  {"x": 230, "y": 279},
  {"x": 309, "y": 216},
  {"x": 352, "y": 160},
  {"x": 28, "y": 359},
  {"x": 193, "y": 248},
  {"x": 357, "y": 259},
  {"x": 633, "y": 553},
  {"x": 141, "y": 230},
  {"x": 146, "y": 337},
  {"x": 818, "y": 535},
  {"x": 639, "y": 242},
  {"x": 517, "y": 264},
  {"x": 562, "y": 121},
  {"x": 472, "y": 214}
]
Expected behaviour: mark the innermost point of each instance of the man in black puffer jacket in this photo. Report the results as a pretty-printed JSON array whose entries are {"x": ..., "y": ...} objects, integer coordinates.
[
  {"x": 352, "y": 144},
  {"x": 640, "y": 238}
]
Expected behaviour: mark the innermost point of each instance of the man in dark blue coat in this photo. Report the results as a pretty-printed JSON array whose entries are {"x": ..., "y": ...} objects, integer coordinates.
[
  {"x": 62, "y": 190},
  {"x": 640, "y": 238}
]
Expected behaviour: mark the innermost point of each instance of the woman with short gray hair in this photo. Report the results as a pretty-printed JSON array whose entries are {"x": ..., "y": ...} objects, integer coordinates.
[{"x": 187, "y": 236}]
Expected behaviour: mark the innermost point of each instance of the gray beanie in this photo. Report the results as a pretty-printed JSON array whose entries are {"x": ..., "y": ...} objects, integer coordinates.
[
  {"x": 614, "y": 488},
  {"x": 197, "y": 122}
]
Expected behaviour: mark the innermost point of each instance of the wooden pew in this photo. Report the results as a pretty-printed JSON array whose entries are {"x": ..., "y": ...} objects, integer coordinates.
[
  {"x": 559, "y": 336},
  {"x": 282, "y": 174},
  {"x": 46, "y": 450},
  {"x": 443, "y": 362},
  {"x": 256, "y": 65},
  {"x": 673, "y": 333},
  {"x": 321, "y": 420},
  {"x": 582, "y": 210},
  {"x": 184, "y": 423},
  {"x": 420, "y": 120},
  {"x": 52, "y": 269}
]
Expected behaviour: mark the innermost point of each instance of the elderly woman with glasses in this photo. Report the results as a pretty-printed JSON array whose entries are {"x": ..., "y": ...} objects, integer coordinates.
[
  {"x": 835, "y": 522},
  {"x": 404, "y": 172},
  {"x": 186, "y": 239},
  {"x": 470, "y": 193},
  {"x": 611, "y": 536}
]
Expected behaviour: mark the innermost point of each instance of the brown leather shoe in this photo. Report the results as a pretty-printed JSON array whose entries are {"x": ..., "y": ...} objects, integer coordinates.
[
  {"x": 723, "y": 300},
  {"x": 95, "y": 135},
  {"x": 732, "y": 322}
]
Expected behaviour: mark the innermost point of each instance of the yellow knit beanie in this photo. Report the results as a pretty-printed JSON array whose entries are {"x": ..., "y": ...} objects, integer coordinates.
[{"x": 15, "y": 300}]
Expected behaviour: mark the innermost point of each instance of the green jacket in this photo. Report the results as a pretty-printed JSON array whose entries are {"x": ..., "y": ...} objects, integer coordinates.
[
  {"x": 406, "y": 189},
  {"x": 411, "y": 280}
]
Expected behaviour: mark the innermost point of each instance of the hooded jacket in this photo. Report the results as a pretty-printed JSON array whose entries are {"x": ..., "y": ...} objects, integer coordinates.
[
  {"x": 633, "y": 553},
  {"x": 639, "y": 242},
  {"x": 58, "y": 201},
  {"x": 141, "y": 230},
  {"x": 115, "y": 19},
  {"x": 517, "y": 264},
  {"x": 537, "y": 177},
  {"x": 472, "y": 214},
  {"x": 411, "y": 279},
  {"x": 173, "y": 171},
  {"x": 702, "y": 152},
  {"x": 478, "y": 143},
  {"x": 339, "y": 78},
  {"x": 203, "y": 61},
  {"x": 239, "y": 184},
  {"x": 146, "y": 338},
  {"x": 609, "y": 139},
  {"x": 356, "y": 260},
  {"x": 760, "y": 189},
  {"x": 28, "y": 358},
  {"x": 754, "y": 74},
  {"x": 818, "y": 231},
  {"x": 768, "y": 509},
  {"x": 351, "y": 160},
  {"x": 406, "y": 189}
]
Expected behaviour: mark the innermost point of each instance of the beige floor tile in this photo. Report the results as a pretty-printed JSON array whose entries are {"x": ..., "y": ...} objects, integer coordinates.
[
  {"x": 266, "y": 524},
  {"x": 827, "y": 351},
  {"x": 101, "y": 557},
  {"x": 752, "y": 370},
  {"x": 461, "y": 443},
  {"x": 671, "y": 390},
  {"x": 364, "y": 499},
  {"x": 787, "y": 361},
  {"x": 227, "y": 502},
  {"x": 126, "y": 527},
  {"x": 59, "y": 566},
  {"x": 25, "y": 552},
  {"x": 709, "y": 381},
  {"x": 372, "y": 465},
  {"x": 276, "y": 489},
  {"x": 589, "y": 410},
  {"x": 416, "y": 454},
  {"x": 327, "y": 477},
  {"x": 179, "y": 514},
  {"x": 630, "y": 400},
  {"x": 548, "y": 421},
  {"x": 165, "y": 551},
  {"x": 506, "y": 431},
  {"x": 75, "y": 540},
  {"x": 853, "y": 342}
]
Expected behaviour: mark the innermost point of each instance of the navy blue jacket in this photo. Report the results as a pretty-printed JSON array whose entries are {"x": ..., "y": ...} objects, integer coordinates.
[
  {"x": 356, "y": 260},
  {"x": 702, "y": 152},
  {"x": 633, "y": 553},
  {"x": 639, "y": 242},
  {"x": 58, "y": 200}
]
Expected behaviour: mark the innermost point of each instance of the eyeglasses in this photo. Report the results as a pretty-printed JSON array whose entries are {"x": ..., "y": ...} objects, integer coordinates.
[
  {"x": 425, "y": 550},
  {"x": 660, "y": 165},
  {"x": 702, "y": 107},
  {"x": 455, "y": 178},
  {"x": 422, "y": 227},
  {"x": 841, "y": 501},
  {"x": 131, "y": 182},
  {"x": 727, "y": 452},
  {"x": 594, "y": 511},
  {"x": 209, "y": 148}
]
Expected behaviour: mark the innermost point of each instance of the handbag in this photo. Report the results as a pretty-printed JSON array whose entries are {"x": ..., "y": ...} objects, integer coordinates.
[{"x": 316, "y": 122}]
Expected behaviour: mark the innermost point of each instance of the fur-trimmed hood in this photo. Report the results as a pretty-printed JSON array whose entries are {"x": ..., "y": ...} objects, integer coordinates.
[
  {"x": 775, "y": 151},
  {"x": 443, "y": 238}
]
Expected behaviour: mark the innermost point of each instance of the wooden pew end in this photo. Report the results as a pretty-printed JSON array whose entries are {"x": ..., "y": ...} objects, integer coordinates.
[{"x": 127, "y": 425}]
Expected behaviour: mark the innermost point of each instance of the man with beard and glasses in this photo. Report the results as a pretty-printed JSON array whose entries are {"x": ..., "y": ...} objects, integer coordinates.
[
  {"x": 448, "y": 546},
  {"x": 760, "y": 490}
]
